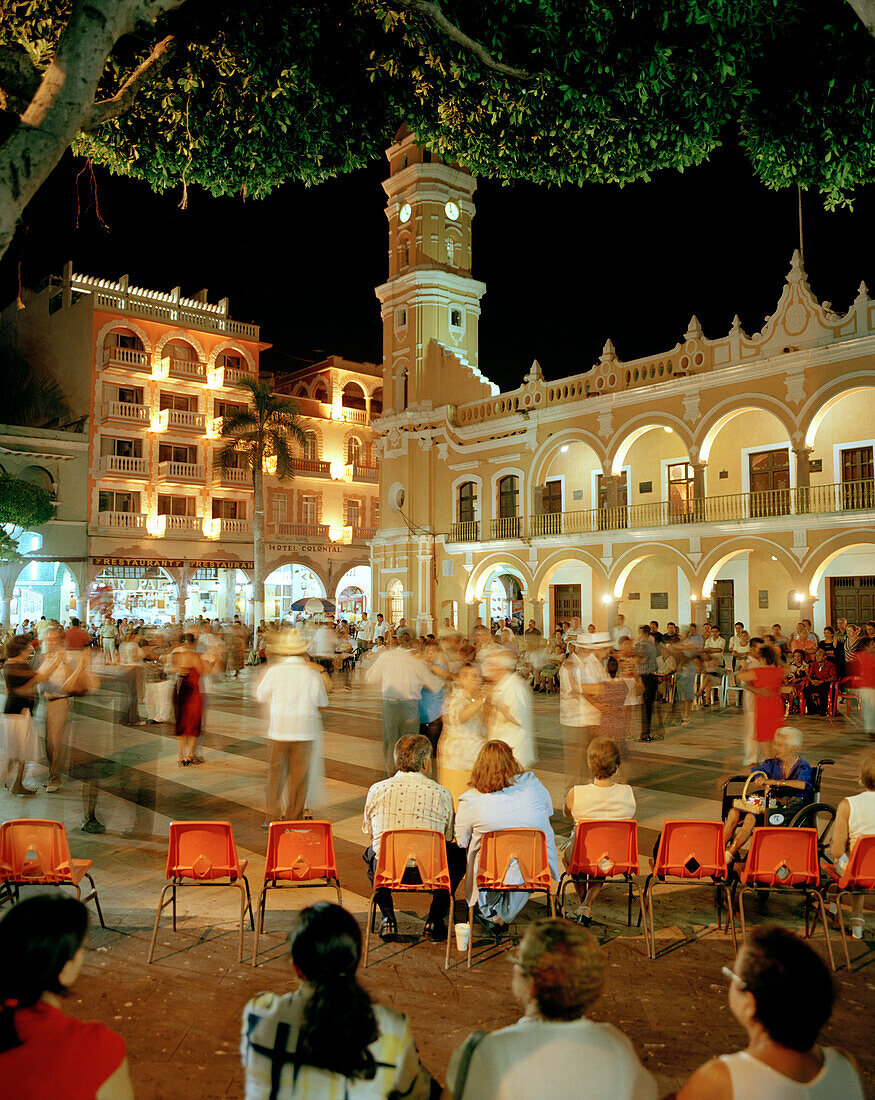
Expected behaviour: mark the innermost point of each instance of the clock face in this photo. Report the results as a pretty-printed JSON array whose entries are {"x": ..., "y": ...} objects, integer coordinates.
[
  {"x": 452, "y": 211},
  {"x": 404, "y": 212}
]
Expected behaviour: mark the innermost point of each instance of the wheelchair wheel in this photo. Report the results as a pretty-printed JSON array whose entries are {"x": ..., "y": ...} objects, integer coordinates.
[{"x": 820, "y": 816}]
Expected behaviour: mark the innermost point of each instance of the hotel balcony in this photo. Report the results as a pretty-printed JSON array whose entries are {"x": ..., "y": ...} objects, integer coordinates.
[
  {"x": 179, "y": 420},
  {"x": 127, "y": 359},
  {"x": 362, "y": 534},
  {"x": 231, "y": 479},
  {"x": 181, "y": 473},
  {"x": 241, "y": 528},
  {"x": 777, "y": 504},
  {"x": 121, "y": 466},
  {"x": 353, "y": 416},
  {"x": 121, "y": 521},
  {"x": 120, "y": 412},
  {"x": 192, "y": 370},
  {"x": 354, "y": 472},
  {"x": 312, "y": 466},
  {"x": 187, "y": 526},
  {"x": 312, "y": 531}
]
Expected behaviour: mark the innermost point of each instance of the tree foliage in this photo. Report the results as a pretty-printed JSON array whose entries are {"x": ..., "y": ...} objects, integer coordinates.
[
  {"x": 23, "y": 505},
  {"x": 257, "y": 92},
  {"x": 32, "y": 399}
]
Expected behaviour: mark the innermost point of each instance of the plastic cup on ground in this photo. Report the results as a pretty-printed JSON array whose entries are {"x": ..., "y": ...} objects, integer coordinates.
[{"x": 462, "y": 933}]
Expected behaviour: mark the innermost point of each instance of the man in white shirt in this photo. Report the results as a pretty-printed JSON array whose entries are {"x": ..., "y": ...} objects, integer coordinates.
[
  {"x": 620, "y": 630},
  {"x": 381, "y": 629},
  {"x": 400, "y": 675},
  {"x": 504, "y": 636},
  {"x": 509, "y": 709},
  {"x": 409, "y": 799},
  {"x": 293, "y": 689},
  {"x": 364, "y": 633},
  {"x": 324, "y": 646},
  {"x": 554, "y": 1050}
]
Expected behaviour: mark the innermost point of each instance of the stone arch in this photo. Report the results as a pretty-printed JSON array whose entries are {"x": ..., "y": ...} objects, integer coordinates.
[
  {"x": 362, "y": 442},
  {"x": 819, "y": 404},
  {"x": 555, "y": 561},
  {"x": 121, "y": 323},
  {"x": 635, "y": 428},
  {"x": 229, "y": 345},
  {"x": 508, "y": 563},
  {"x": 623, "y": 566},
  {"x": 185, "y": 337},
  {"x": 720, "y": 415},
  {"x": 714, "y": 561},
  {"x": 832, "y": 548},
  {"x": 545, "y": 452},
  {"x": 305, "y": 562},
  {"x": 461, "y": 480}
]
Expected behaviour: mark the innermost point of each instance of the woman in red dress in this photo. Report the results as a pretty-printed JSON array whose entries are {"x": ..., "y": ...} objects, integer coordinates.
[
  {"x": 189, "y": 704},
  {"x": 765, "y": 682}
]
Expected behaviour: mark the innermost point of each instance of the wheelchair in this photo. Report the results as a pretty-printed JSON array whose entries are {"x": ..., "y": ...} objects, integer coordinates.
[{"x": 813, "y": 815}]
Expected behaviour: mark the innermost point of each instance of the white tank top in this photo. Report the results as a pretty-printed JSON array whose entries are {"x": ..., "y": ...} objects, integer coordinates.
[
  {"x": 751, "y": 1078},
  {"x": 861, "y": 821}
]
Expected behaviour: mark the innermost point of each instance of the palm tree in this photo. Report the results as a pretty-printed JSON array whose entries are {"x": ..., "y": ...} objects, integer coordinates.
[
  {"x": 257, "y": 436},
  {"x": 32, "y": 399}
]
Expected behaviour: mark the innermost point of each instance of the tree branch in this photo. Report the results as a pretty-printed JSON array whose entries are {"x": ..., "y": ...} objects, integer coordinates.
[
  {"x": 19, "y": 80},
  {"x": 124, "y": 98},
  {"x": 866, "y": 11},
  {"x": 433, "y": 13}
]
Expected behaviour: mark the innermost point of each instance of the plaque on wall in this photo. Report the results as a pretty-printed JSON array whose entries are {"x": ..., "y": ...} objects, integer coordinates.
[
  {"x": 763, "y": 599},
  {"x": 645, "y": 486},
  {"x": 815, "y": 465},
  {"x": 659, "y": 601},
  {"x": 633, "y": 595}
]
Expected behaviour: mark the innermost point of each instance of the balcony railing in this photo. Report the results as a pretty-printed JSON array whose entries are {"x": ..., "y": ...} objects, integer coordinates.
[
  {"x": 233, "y": 476},
  {"x": 849, "y": 496},
  {"x": 312, "y": 466},
  {"x": 354, "y": 472},
  {"x": 121, "y": 521},
  {"x": 128, "y": 358},
  {"x": 121, "y": 410},
  {"x": 184, "y": 368},
  {"x": 236, "y": 527},
  {"x": 183, "y": 525},
  {"x": 363, "y": 534},
  {"x": 120, "y": 464},
  {"x": 231, "y": 376},
  {"x": 181, "y": 418},
  {"x": 180, "y": 471},
  {"x": 298, "y": 530},
  {"x": 354, "y": 416}
]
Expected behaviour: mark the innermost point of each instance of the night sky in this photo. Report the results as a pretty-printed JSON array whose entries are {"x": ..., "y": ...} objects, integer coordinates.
[{"x": 565, "y": 268}]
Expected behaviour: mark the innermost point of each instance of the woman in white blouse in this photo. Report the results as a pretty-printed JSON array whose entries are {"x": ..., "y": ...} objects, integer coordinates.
[
  {"x": 509, "y": 714},
  {"x": 463, "y": 734},
  {"x": 502, "y": 796},
  {"x": 602, "y": 800}
]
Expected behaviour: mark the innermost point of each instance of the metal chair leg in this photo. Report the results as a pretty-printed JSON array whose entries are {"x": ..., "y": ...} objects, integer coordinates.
[
  {"x": 339, "y": 894},
  {"x": 242, "y": 890},
  {"x": 839, "y": 897},
  {"x": 470, "y": 930},
  {"x": 821, "y": 908},
  {"x": 371, "y": 909},
  {"x": 161, "y": 904},
  {"x": 259, "y": 924},
  {"x": 174, "y": 906},
  {"x": 249, "y": 901},
  {"x": 96, "y": 900}
]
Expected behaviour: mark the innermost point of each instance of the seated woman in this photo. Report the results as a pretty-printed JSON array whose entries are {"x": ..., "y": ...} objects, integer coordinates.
[
  {"x": 855, "y": 818},
  {"x": 781, "y": 993},
  {"x": 464, "y": 733},
  {"x": 43, "y": 1052},
  {"x": 821, "y": 677},
  {"x": 327, "y": 1038},
  {"x": 786, "y": 769},
  {"x": 504, "y": 796},
  {"x": 602, "y": 800}
]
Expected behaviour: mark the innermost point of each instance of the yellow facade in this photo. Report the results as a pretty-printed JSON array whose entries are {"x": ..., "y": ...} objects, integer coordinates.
[{"x": 724, "y": 479}]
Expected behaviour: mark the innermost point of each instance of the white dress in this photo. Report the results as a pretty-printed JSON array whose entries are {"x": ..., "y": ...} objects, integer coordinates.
[{"x": 515, "y": 695}]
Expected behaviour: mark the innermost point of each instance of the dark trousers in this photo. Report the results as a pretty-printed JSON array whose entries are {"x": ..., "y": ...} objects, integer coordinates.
[
  {"x": 432, "y": 730},
  {"x": 651, "y": 682},
  {"x": 457, "y": 861},
  {"x": 400, "y": 718},
  {"x": 817, "y": 697}
]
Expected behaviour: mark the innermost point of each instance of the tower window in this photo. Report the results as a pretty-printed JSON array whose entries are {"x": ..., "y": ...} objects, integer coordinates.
[
  {"x": 402, "y": 318},
  {"x": 455, "y": 318}
]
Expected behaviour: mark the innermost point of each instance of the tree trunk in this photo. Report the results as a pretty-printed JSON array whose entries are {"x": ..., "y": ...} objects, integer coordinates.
[
  {"x": 64, "y": 99},
  {"x": 258, "y": 545}
]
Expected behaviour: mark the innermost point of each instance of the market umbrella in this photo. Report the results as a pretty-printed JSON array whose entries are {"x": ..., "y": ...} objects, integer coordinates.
[{"x": 312, "y": 605}]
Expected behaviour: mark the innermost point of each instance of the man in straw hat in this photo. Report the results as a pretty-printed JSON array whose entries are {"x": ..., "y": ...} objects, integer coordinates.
[
  {"x": 579, "y": 680},
  {"x": 294, "y": 690}
]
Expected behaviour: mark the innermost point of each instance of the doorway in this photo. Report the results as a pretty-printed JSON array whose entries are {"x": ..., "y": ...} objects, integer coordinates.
[
  {"x": 724, "y": 607},
  {"x": 852, "y": 598}
]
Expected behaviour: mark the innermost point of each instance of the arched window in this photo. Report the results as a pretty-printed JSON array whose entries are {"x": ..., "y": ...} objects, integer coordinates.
[
  {"x": 321, "y": 393},
  {"x": 233, "y": 360},
  {"x": 396, "y": 602},
  {"x": 179, "y": 349},
  {"x": 301, "y": 391},
  {"x": 39, "y": 476},
  {"x": 377, "y": 401},
  {"x": 353, "y": 396},
  {"x": 404, "y": 380},
  {"x": 353, "y": 452},
  {"x": 124, "y": 338},
  {"x": 311, "y": 446},
  {"x": 467, "y": 502},
  {"x": 508, "y": 496}
]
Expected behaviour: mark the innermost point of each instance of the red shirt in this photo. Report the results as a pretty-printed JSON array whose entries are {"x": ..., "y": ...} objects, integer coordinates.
[
  {"x": 77, "y": 638},
  {"x": 58, "y": 1056}
]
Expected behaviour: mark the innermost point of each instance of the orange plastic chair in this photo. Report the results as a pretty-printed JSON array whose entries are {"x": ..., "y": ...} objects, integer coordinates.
[
  {"x": 858, "y": 878},
  {"x": 299, "y": 854},
  {"x": 202, "y": 853},
  {"x": 402, "y": 850},
  {"x": 785, "y": 858},
  {"x": 35, "y": 852},
  {"x": 689, "y": 852},
  {"x": 604, "y": 852},
  {"x": 497, "y": 851}
]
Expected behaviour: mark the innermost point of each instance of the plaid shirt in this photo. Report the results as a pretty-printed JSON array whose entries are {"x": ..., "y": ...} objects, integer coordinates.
[{"x": 407, "y": 800}]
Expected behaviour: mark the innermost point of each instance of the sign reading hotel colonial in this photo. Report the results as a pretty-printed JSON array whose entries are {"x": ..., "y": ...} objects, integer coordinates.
[
  {"x": 301, "y": 548},
  {"x": 174, "y": 563}
]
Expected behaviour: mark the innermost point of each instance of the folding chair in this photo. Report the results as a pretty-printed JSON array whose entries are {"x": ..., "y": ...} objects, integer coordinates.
[
  {"x": 844, "y": 695},
  {"x": 423, "y": 851},
  {"x": 200, "y": 853},
  {"x": 35, "y": 852},
  {"x": 604, "y": 852},
  {"x": 299, "y": 854},
  {"x": 858, "y": 879},
  {"x": 688, "y": 853},
  {"x": 727, "y": 687},
  {"x": 785, "y": 858},
  {"x": 498, "y": 850}
]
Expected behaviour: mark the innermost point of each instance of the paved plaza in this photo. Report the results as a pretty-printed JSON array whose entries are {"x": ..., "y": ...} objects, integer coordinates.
[{"x": 180, "y": 1016}]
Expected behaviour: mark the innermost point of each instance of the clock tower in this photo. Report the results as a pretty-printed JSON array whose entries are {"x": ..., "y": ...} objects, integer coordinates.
[{"x": 430, "y": 294}]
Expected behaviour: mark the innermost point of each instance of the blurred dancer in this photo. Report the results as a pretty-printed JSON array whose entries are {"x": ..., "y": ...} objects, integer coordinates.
[
  {"x": 189, "y": 708},
  {"x": 400, "y": 676},
  {"x": 509, "y": 715}
]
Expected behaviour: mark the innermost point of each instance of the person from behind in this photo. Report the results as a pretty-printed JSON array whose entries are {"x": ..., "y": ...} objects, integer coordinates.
[
  {"x": 553, "y": 1050},
  {"x": 44, "y": 1053},
  {"x": 782, "y": 994},
  {"x": 855, "y": 817},
  {"x": 328, "y": 1038}
]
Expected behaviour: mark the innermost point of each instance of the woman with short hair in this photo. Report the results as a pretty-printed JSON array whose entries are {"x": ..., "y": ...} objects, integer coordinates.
[
  {"x": 503, "y": 795},
  {"x": 327, "y": 1038},
  {"x": 855, "y": 818},
  {"x": 44, "y": 1053},
  {"x": 463, "y": 734},
  {"x": 782, "y": 994}
]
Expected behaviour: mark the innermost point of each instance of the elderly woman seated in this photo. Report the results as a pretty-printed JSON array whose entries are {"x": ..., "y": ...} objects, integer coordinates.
[{"x": 785, "y": 769}]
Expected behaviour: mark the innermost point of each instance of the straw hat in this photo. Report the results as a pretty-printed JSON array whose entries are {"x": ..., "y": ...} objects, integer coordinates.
[
  {"x": 290, "y": 643},
  {"x": 594, "y": 641}
]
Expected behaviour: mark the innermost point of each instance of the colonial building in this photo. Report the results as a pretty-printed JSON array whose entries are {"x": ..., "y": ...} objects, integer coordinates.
[
  {"x": 723, "y": 479},
  {"x": 169, "y": 534}
]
